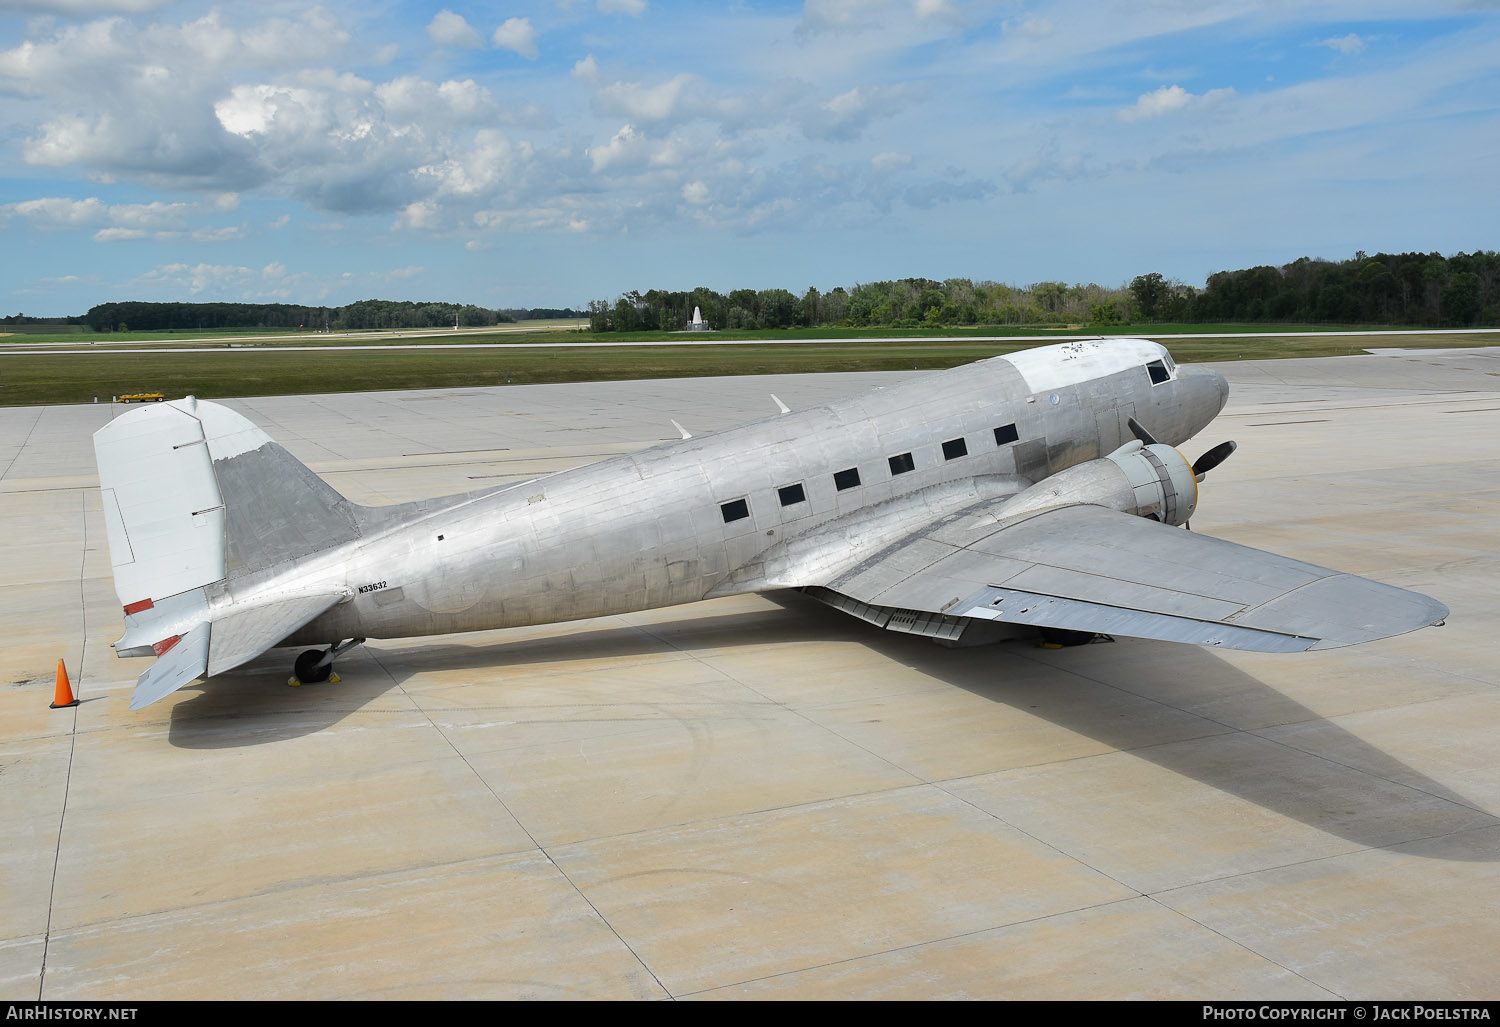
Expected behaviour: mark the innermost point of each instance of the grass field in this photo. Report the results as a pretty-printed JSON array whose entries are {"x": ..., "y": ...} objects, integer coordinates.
[
  {"x": 572, "y": 330},
  {"x": 27, "y": 380}
]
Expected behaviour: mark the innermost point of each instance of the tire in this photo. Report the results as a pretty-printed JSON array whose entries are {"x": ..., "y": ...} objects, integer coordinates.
[{"x": 307, "y": 670}]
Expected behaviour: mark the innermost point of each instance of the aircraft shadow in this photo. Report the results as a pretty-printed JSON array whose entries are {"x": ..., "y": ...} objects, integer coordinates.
[{"x": 253, "y": 705}]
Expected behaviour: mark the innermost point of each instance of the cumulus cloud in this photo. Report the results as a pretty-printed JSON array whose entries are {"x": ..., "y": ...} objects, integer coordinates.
[
  {"x": 60, "y": 212},
  {"x": 848, "y": 114},
  {"x": 933, "y": 8},
  {"x": 517, "y": 36},
  {"x": 136, "y": 101},
  {"x": 625, "y": 143},
  {"x": 156, "y": 220},
  {"x": 1157, "y": 103},
  {"x": 586, "y": 70},
  {"x": 85, "y": 7},
  {"x": 1349, "y": 45},
  {"x": 449, "y": 29},
  {"x": 958, "y": 186},
  {"x": 685, "y": 97},
  {"x": 840, "y": 14},
  {"x": 347, "y": 144},
  {"x": 858, "y": 15},
  {"x": 114, "y": 234},
  {"x": 195, "y": 278},
  {"x": 1169, "y": 99},
  {"x": 646, "y": 103},
  {"x": 634, "y": 8}
]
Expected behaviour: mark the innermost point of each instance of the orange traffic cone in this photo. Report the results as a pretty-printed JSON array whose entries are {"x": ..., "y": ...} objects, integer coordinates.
[{"x": 64, "y": 693}]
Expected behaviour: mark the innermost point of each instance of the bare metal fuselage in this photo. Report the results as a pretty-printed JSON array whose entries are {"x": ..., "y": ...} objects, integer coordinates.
[{"x": 649, "y": 529}]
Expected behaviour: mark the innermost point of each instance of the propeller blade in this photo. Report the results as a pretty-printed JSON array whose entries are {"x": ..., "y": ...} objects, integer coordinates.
[
  {"x": 1213, "y": 458},
  {"x": 1140, "y": 432}
]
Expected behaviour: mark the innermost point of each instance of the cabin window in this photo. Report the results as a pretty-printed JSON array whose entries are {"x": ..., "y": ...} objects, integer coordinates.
[
  {"x": 901, "y": 463},
  {"x": 846, "y": 479},
  {"x": 1006, "y": 434},
  {"x": 792, "y": 494},
  {"x": 736, "y": 510},
  {"x": 1158, "y": 371},
  {"x": 955, "y": 448}
]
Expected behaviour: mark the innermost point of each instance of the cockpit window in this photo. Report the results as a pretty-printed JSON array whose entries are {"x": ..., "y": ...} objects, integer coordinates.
[{"x": 1158, "y": 371}]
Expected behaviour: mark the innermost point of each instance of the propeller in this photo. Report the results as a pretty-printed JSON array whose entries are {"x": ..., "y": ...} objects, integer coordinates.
[
  {"x": 1213, "y": 458},
  {"x": 1205, "y": 463},
  {"x": 1147, "y": 439}
]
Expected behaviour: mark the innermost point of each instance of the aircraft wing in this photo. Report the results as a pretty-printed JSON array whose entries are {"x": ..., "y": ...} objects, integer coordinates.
[{"x": 1088, "y": 568}]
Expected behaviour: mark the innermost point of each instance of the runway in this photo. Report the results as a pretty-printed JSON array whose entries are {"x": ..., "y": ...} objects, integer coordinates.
[{"x": 750, "y": 798}]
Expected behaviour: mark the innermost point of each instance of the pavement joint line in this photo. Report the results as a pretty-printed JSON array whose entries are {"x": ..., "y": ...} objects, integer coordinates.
[
  {"x": 1394, "y": 848},
  {"x": 529, "y": 835},
  {"x": 875, "y": 954},
  {"x": 1245, "y": 946},
  {"x": 1257, "y": 733},
  {"x": 798, "y": 713},
  {"x": 940, "y": 786},
  {"x": 62, "y": 816},
  {"x": 24, "y": 442},
  {"x": 1465, "y": 803},
  {"x": 353, "y": 879}
]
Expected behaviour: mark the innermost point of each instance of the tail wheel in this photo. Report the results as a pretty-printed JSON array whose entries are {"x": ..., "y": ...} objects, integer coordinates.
[{"x": 307, "y": 670}]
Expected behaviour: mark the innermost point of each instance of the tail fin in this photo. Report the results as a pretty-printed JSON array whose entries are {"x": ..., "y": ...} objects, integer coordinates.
[{"x": 194, "y": 495}]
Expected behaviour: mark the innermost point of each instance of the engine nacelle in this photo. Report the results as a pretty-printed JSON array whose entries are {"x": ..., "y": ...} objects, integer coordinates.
[{"x": 1152, "y": 481}]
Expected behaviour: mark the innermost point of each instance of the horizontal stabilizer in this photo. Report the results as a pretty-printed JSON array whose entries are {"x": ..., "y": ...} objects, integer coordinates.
[
  {"x": 184, "y": 662},
  {"x": 242, "y": 634},
  {"x": 237, "y": 635}
]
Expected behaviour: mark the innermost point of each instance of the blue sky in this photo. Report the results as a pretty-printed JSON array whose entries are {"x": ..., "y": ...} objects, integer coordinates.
[{"x": 550, "y": 153}]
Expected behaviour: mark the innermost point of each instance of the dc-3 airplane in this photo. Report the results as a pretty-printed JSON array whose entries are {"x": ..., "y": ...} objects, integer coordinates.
[{"x": 1020, "y": 493}]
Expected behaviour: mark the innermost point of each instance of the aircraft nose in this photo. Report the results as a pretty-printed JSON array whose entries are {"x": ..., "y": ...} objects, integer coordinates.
[{"x": 1209, "y": 388}]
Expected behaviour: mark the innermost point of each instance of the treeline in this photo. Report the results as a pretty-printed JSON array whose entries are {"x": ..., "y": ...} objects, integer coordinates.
[
  {"x": 906, "y": 303},
  {"x": 364, "y": 315},
  {"x": 1419, "y": 289},
  {"x": 18, "y": 320},
  {"x": 1425, "y": 289}
]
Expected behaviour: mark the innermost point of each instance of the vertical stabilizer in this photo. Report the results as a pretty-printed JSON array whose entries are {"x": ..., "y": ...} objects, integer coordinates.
[
  {"x": 195, "y": 495},
  {"x": 162, "y": 508}
]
